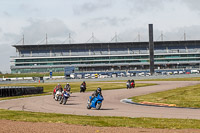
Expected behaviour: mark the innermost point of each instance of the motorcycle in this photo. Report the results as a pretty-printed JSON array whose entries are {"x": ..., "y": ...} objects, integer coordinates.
[
  {"x": 64, "y": 98},
  {"x": 58, "y": 95},
  {"x": 95, "y": 103},
  {"x": 82, "y": 88},
  {"x": 128, "y": 85},
  {"x": 132, "y": 85}
]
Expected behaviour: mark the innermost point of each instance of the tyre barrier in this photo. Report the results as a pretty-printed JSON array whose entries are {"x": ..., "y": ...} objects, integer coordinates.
[{"x": 7, "y": 91}]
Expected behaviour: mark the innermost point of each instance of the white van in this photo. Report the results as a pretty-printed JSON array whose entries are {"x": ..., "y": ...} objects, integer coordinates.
[
  {"x": 141, "y": 74},
  {"x": 194, "y": 71},
  {"x": 175, "y": 72},
  {"x": 181, "y": 72}
]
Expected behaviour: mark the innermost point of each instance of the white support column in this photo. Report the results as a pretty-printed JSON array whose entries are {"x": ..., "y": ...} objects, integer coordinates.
[
  {"x": 89, "y": 52},
  {"x": 186, "y": 49},
  {"x": 108, "y": 49},
  {"x": 50, "y": 52},
  {"x": 70, "y": 52}
]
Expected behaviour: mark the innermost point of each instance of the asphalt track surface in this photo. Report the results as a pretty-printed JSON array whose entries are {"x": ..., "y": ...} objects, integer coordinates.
[{"x": 111, "y": 105}]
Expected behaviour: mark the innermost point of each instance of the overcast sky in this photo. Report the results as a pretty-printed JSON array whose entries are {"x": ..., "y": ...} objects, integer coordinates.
[{"x": 103, "y": 18}]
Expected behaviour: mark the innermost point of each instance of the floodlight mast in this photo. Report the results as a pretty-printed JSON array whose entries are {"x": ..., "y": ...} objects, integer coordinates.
[{"x": 151, "y": 49}]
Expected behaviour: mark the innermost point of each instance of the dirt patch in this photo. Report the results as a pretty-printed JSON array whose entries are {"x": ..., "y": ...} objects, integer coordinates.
[{"x": 41, "y": 127}]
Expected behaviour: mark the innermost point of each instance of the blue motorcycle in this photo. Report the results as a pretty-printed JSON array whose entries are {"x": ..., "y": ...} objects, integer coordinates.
[
  {"x": 95, "y": 103},
  {"x": 65, "y": 96}
]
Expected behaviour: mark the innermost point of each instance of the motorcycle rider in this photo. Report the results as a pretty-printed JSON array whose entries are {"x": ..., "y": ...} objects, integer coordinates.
[
  {"x": 83, "y": 86},
  {"x": 59, "y": 88},
  {"x": 128, "y": 84},
  {"x": 67, "y": 87},
  {"x": 96, "y": 93},
  {"x": 58, "y": 91}
]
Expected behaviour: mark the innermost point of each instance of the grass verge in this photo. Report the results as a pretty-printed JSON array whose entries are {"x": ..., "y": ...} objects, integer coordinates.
[
  {"x": 183, "y": 97},
  {"x": 91, "y": 86},
  {"x": 100, "y": 121},
  {"x": 30, "y": 75}
]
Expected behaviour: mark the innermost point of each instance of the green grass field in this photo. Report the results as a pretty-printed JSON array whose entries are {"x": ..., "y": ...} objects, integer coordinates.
[
  {"x": 100, "y": 121},
  {"x": 183, "y": 97}
]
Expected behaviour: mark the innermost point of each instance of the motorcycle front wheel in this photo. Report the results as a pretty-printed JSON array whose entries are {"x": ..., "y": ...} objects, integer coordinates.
[
  {"x": 88, "y": 105},
  {"x": 98, "y": 106},
  {"x": 65, "y": 100},
  {"x": 61, "y": 101},
  {"x": 56, "y": 98}
]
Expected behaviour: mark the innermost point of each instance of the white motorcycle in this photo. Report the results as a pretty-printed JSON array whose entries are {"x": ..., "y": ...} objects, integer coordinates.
[{"x": 58, "y": 95}]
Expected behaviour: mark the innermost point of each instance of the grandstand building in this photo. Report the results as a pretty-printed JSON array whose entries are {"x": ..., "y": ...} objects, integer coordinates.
[{"x": 105, "y": 57}]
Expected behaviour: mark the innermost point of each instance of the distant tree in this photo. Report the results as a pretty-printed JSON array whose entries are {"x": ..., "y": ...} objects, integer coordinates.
[{"x": 0, "y": 72}]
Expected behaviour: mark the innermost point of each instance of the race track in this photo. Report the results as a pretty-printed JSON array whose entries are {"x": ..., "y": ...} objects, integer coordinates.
[{"x": 111, "y": 105}]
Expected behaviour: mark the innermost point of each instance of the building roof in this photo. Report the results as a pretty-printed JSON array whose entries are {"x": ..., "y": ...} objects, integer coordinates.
[{"x": 108, "y": 43}]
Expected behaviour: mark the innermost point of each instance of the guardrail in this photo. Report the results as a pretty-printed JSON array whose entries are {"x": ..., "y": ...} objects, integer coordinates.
[{"x": 6, "y": 91}]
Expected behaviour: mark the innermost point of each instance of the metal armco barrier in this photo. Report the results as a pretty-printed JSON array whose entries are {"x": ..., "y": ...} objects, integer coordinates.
[{"x": 6, "y": 91}]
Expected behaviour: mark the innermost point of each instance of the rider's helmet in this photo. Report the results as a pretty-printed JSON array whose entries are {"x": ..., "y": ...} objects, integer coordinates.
[
  {"x": 59, "y": 85},
  {"x": 98, "y": 89},
  {"x": 67, "y": 83}
]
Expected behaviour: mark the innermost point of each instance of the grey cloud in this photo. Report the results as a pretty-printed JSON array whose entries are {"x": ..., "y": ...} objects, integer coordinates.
[
  {"x": 37, "y": 30},
  {"x": 33, "y": 33},
  {"x": 192, "y": 33},
  {"x": 105, "y": 21},
  {"x": 145, "y": 5},
  {"x": 134, "y": 34},
  {"x": 5, "y": 52},
  {"x": 5, "y": 13},
  {"x": 11, "y": 37},
  {"x": 27, "y": 8},
  {"x": 90, "y": 7},
  {"x": 192, "y": 4}
]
